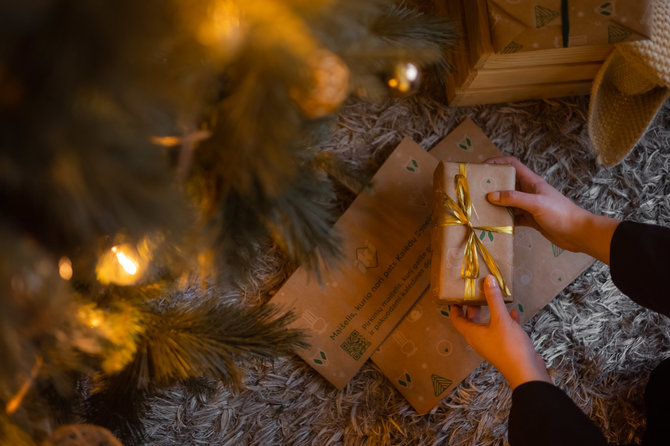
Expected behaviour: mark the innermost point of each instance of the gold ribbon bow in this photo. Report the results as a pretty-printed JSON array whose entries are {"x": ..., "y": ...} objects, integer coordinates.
[{"x": 461, "y": 216}]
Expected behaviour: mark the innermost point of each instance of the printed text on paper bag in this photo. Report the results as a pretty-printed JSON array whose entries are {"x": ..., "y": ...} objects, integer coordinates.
[{"x": 419, "y": 267}]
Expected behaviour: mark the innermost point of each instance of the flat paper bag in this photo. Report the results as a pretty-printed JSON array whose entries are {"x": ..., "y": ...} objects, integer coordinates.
[
  {"x": 386, "y": 269},
  {"x": 425, "y": 358},
  {"x": 448, "y": 241}
]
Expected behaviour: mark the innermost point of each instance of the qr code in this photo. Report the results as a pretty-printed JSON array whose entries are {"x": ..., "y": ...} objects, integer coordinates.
[{"x": 355, "y": 345}]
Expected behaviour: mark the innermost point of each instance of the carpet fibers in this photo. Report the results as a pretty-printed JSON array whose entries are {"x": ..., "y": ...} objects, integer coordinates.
[{"x": 598, "y": 345}]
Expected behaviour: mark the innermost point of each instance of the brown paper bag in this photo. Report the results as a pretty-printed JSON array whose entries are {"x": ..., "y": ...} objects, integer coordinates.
[{"x": 425, "y": 358}]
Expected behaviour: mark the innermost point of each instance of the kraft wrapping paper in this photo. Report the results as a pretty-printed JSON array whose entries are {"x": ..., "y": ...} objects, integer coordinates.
[
  {"x": 526, "y": 26},
  {"x": 448, "y": 242}
]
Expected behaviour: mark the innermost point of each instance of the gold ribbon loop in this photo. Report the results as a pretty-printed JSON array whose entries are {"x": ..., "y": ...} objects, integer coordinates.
[{"x": 461, "y": 212}]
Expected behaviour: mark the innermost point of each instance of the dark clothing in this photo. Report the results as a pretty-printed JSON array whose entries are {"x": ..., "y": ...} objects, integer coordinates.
[
  {"x": 542, "y": 414},
  {"x": 640, "y": 264}
]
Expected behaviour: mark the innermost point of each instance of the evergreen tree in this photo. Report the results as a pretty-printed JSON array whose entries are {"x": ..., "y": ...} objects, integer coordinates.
[{"x": 150, "y": 147}]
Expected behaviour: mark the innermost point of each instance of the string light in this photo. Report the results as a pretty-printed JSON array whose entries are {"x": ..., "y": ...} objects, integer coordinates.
[
  {"x": 171, "y": 141},
  {"x": 65, "y": 268},
  {"x": 121, "y": 265},
  {"x": 222, "y": 29},
  {"x": 126, "y": 262},
  {"x": 91, "y": 316},
  {"x": 406, "y": 78},
  {"x": 113, "y": 332}
]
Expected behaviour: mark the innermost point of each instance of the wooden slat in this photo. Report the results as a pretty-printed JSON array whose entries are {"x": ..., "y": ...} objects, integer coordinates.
[
  {"x": 577, "y": 54},
  {"x": 461, "y": 74},
  {"x": 519, "y": 93},
  {"x": 541, "y": 74},
  {"x": 476, "y": 23}
]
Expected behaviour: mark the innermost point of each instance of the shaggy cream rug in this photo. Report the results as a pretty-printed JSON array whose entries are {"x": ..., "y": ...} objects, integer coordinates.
[{"x": 599, "y": 346}]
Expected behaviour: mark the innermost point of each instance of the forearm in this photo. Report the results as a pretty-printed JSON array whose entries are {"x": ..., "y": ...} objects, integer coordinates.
[
  {"x": 593, "y": 235},
  {"x": 525, "y": 366}
]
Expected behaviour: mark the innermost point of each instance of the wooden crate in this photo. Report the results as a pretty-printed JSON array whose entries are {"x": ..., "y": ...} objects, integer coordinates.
[{"x": 481, "y": 76}]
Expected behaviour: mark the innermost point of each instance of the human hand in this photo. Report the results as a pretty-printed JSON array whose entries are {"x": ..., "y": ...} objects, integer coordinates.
[
  {"x": 561, "y": 221},
  {"x": 501, "y": 341}
]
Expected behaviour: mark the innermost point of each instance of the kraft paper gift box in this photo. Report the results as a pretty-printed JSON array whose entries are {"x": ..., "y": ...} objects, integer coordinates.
[
  {"x": 543, "y": 24},
  {"x": 470, "y": 237}
]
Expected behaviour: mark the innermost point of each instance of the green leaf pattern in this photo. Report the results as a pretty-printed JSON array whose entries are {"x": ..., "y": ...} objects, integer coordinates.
[
  {"x": 446, "y": 312},
  {"x": 405, "y": 380},
  {"x": 322, "y": 358},
  {"x": 484, "y": 233},
  {"x": 465, "y": 143},
  {"x": 412, "y": 165}
]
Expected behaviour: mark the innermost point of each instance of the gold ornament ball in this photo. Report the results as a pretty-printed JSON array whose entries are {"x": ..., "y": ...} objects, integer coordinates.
[
  {"x": 406, "y": 79},
  {"x": 329, "y": 85}
]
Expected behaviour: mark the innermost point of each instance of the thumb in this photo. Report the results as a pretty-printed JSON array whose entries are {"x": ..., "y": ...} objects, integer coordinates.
[
  {"x": 494, "y": 297},
  {"x": 514, "y": 198}
]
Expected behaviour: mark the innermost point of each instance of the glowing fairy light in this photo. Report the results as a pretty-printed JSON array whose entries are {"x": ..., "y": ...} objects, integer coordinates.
[
  {"x": 406, "y": 78},
  {"x": 223, "y": 27},
  {"x": 411, "y": 72},
  {"x": 121, "y": 264},
  {"x": 172, "y": 141},
  {"x": 65, "y": 268},
  {"x": 90, "y": 316},
  {"x": 126, "y": 262},
  {"x": 166, "y": 141}
]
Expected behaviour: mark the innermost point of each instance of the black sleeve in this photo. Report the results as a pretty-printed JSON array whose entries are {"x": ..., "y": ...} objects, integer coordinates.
[
  {"x": 542, "y": 414},
  {"x": 640, "y": 263}
]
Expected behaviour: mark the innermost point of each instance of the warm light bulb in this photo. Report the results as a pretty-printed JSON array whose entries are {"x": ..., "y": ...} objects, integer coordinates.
[
  {"x": 411, "y": 72},
  {"x": 222, "y": 29},
  {"x": 126, "y": 262},
  {"x": 121, "y": 265},
  {"x": 406, "y": 79},
  {"x": 65, "y": 268}
]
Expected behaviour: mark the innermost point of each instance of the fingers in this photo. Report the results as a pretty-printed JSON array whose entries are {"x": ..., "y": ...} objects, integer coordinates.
[
  {"x": 464, "y": 321},
  {"x": 514, "y": 314},
  {"x": 494, "y": 297},
  {"x": 472, "y": 313},
  {"x": 514, "y": 198},
  {"x": 458, "y": 320},
  {"x": 523, "y": 173}
]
